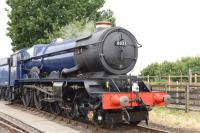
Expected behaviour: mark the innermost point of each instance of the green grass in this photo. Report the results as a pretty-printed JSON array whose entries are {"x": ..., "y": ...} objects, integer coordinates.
[{"x": 175, "y": 118}]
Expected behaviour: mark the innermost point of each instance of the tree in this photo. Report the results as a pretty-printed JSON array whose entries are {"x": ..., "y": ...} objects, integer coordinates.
[
  {"x": 173, "y": 68},
  {"x": 38, "y": 21},
  {"x": 152, "y": 70},
  {"x": 191, "y": 62},
  {"x": 106, "y": 15},
  {"x": 167, "y": 68}
]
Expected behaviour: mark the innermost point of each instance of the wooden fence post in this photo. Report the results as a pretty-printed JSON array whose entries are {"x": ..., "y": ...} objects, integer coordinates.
[
  {"x": 169, "y": 82},
  {"x": 187, "y": 98},
  {"x": 187, "y": 91},
  {"x": 181, "y": 78},
  {"x": 177, "y": 92},
  {"x": 190, "y": 77}
]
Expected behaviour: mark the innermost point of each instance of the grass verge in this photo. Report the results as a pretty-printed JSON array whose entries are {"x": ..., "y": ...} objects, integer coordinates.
[{"x": 175, "y": 118}]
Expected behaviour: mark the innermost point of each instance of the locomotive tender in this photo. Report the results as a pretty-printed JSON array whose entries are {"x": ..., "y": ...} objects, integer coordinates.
[{"x": 83, "y": 78}]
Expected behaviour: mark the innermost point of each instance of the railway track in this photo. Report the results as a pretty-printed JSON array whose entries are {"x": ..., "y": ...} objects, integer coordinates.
[
  {"x": 79, "y": 125},
  {"x": 10, "y": 127},
  {"x": 150, "y": 129},
  {"x": 15, "y": 126}
]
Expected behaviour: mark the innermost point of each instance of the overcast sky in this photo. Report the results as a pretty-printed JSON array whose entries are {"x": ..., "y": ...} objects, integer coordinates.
[{"x": 167, "y": 29}]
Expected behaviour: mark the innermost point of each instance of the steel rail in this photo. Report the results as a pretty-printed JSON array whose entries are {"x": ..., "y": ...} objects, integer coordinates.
[
  {"x": 16, "y": 126},
  {"x": 12, "y": 126},
  {"x": 150, "y": 129}
]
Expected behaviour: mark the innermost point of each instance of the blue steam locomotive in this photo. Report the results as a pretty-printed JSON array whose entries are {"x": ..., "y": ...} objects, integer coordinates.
[{"x": 82, "y": 78}]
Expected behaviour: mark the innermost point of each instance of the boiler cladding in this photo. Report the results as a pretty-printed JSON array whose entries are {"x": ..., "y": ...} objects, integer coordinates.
[{"x": 113, "y": 50}]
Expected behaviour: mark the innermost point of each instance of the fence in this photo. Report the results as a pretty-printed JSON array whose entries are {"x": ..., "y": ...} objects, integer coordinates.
[
  {"x": 171, "y": 79},
  {"x": 184, "y": 91}
]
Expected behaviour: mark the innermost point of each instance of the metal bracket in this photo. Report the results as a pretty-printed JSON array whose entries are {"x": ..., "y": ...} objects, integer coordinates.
[{"x": 139, "y": 45}]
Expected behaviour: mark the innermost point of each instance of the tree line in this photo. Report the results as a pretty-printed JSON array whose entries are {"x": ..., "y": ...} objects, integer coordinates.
[{"x": 179, "y": 67}]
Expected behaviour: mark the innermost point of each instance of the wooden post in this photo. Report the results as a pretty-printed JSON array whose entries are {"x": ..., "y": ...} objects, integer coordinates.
[
  {"x": 187, "y": 98},
  {"x": 190, "y": 77},
  {"x": 187, "y": 91},
  {"x": 177, "y": 92},
  {"x": 169, "y": 82},
  {"x": 148, "y": 79}
]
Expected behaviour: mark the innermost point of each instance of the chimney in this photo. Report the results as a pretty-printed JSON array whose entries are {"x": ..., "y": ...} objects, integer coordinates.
[{"x": 103, "y": 25}]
